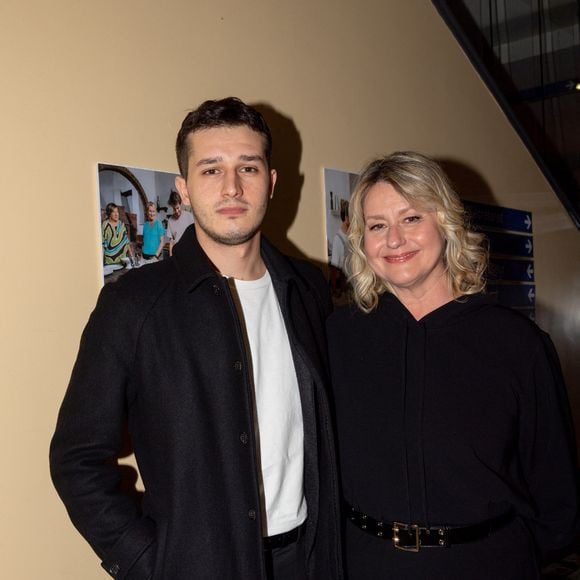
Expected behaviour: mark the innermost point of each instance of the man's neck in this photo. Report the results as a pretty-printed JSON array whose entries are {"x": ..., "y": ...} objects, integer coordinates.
[{"x": 242, "y": 261}]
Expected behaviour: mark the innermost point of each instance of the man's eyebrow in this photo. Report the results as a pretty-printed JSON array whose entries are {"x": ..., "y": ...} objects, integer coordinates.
[
  {"x": 213, "y": 160},
  {"x": 208, "y": 161},
  {"x": 251, "y": 158}
]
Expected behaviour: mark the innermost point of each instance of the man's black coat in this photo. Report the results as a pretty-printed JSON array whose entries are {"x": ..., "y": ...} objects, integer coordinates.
[{"x": 163, "y": 353}]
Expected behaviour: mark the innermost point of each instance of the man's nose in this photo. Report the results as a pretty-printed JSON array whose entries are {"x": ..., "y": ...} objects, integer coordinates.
[{"x": 232, "y": 186}]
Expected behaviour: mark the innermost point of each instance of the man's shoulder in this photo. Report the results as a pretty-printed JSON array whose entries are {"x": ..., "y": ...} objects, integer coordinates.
[
  {"x": 305, "y": 271},
  {"x": 305, "y": 267},
  {"x": 310, "y": 276},
  {"x": 123, "y": 305},
  {"x": 141, "y": 284}
]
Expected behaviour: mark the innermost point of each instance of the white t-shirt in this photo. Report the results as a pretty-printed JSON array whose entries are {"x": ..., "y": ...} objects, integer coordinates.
[{"x": 279, "y": 411}]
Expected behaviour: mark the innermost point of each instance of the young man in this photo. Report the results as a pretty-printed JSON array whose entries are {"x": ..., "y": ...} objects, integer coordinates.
[
  {"x": 227, "y": 413},
  {"x": 178, "y": 222}
]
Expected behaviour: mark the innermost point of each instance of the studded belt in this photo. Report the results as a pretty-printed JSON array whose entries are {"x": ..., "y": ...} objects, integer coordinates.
[{"x": 413, "y": 537}]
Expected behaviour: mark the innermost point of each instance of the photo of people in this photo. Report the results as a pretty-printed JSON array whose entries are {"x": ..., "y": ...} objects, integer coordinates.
[
  {"x": 338, "y": 187},
  {"x": 141, "y": 217}
]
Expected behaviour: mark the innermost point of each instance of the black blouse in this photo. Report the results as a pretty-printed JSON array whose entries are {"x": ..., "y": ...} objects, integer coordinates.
[{"x": 453, "y": 419}]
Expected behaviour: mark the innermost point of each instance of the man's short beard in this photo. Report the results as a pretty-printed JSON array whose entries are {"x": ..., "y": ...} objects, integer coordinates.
[
  {"x": 234, "y": 238},
  {"x": 230, "y": 238}
]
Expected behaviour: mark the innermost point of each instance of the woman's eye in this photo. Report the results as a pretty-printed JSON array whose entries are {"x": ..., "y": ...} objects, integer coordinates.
[
  {"x": 412, "y": 219},
  {"x": 376, "y": 227}
]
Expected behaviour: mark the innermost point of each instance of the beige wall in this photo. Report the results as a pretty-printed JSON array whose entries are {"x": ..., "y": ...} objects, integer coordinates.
[{"x": 110, "y": 81}]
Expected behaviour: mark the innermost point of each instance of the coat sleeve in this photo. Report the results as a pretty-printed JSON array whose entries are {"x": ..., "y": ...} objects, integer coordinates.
[
  {"x": 548, "y": 452},
  {"x": 89, "y": 439}
]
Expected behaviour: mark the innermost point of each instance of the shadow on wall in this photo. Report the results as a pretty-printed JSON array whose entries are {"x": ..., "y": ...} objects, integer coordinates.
[
  {"x": 286, "y": 157},
  {"x": 564, "y": 334},
  {"x": 467, "y": 182}
]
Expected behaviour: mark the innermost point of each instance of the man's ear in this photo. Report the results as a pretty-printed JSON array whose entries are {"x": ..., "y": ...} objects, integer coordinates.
[
  {"x": 273, "y": 177},
  {"x": 181, "y": 187}
]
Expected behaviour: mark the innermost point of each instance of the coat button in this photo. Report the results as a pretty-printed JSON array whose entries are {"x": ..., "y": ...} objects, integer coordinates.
[
  {"x": 244, "y": 438},
  {"x": 238, "y": 365},
  {"x": 252, "y": 514},
  {"x": 216, "y": 290}
]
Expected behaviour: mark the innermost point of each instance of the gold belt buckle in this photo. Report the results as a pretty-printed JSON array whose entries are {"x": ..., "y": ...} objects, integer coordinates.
[{"x": 413, "y": 528}]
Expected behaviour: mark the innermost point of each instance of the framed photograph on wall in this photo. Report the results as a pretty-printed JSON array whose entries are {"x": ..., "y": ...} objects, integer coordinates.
[
  {"x": 134, "y": 208},
  {"x": 338, "y": 187}
]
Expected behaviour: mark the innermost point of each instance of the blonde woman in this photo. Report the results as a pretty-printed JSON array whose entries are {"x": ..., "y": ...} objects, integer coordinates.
[
  {"x": 455, "y": 442},
  {"x": 153, "y": 234}
]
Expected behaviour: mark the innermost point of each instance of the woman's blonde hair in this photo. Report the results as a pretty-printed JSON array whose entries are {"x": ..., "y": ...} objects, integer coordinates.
[{"x": 422, "y": 182}]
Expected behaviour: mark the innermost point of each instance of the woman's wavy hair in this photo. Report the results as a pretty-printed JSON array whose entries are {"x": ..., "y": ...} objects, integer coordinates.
[{"x": 423, "y": 183}]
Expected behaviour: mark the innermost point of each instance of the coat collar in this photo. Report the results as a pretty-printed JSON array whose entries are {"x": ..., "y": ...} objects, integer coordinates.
[
  {"x": 194, "y": 266},
  {"x": 191, "y": 261}
]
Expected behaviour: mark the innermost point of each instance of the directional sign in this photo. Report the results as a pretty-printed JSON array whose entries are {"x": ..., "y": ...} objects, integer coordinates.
[
  {"x": 510, "y": 274},
  {"x": 515, "y": 295},
  {"x": 506, "y": 244},
  {"x": 503, "y": 218},
  {"x": 510, "y": 270}
]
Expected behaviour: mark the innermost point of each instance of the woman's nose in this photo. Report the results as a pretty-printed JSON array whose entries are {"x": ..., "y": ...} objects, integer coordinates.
[{"x": 395, "y": 237}]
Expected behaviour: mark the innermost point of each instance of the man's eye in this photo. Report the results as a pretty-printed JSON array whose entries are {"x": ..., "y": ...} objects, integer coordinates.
[
  {"x": 211, "y": 171},
  {"x": 249, "y": 169}
]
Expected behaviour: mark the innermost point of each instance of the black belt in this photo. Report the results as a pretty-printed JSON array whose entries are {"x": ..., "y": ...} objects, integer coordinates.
[
  {"x": 283, "y": 539},
  {"x": 412, "y": 537}
]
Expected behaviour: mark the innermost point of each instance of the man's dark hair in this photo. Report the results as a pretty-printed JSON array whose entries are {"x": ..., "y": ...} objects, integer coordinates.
[
  {"x": 174, "y": 198},
  {"x": 229, "y": 112}
]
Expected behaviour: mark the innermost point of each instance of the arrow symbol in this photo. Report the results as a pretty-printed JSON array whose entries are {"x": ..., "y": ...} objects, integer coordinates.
[
  {"x": 530, "y": 271},
  {"x": 531, "y": 294},
  {"x": 529, "y": 246},
  {"x": 528, "y": 221}
]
